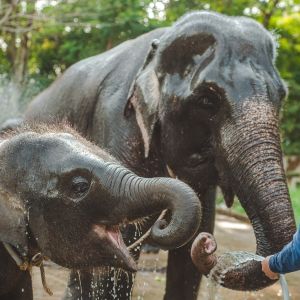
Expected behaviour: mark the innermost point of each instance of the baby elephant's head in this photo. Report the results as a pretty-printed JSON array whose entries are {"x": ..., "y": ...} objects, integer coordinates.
[{"x": 67, "y": 197}]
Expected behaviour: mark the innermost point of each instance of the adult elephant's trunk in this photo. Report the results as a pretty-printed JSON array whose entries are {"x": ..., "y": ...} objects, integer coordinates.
[
  {"x": 253, "y": 160},
  {"x": 138, "y": 197}
]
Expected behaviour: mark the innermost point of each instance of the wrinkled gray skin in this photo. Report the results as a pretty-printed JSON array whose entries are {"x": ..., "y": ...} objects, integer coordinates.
[
  {"x": 64, "y": 197},
  {"x": 236, "y": 270},
  {"x": 203, "y": 252},
  {"x": 201, "y": 97}
]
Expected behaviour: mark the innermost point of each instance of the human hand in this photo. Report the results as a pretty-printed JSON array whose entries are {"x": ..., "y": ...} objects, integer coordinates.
[{"x": 266, "y": 269}]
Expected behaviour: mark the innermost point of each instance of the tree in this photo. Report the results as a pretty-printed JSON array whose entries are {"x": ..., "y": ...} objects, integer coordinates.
[
  {"x": 288, "y": 62},
  {"x": 15, "y": 24}
]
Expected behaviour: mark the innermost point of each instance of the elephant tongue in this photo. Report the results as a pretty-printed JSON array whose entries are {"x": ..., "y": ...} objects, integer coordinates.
[{"x": 114, "y": 235}]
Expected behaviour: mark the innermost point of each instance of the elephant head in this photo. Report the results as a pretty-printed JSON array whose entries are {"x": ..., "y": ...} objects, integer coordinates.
[
  {"x": 66, "y": 197},
  {"x": 210, "y": 91}
]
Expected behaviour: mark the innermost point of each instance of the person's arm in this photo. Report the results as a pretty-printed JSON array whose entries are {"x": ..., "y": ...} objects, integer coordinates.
[{"x": 285, "y": 261}]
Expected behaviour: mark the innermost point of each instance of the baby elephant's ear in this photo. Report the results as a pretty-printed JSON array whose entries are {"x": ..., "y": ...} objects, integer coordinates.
[{"x": 12, "y": 221}]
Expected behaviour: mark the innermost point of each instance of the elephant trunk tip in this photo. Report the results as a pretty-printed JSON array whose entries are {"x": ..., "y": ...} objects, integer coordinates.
[
  {"x": 236, "y": 270},
  {"x": 202, "y": 252},
  {"x": 184, "y": 213},
  {"x": 176, "y": 232}
]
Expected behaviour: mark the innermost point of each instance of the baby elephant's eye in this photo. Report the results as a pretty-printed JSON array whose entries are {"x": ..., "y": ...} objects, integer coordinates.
[{"x": 79, "y": 187}]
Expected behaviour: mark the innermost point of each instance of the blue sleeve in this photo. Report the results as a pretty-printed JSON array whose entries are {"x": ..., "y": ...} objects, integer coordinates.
[{"x": 288, "y": 259}]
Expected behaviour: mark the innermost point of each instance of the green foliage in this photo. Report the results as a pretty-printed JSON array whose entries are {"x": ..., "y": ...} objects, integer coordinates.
[
  {"x": 288, "y": 62},
  {"x": 295, "y": 196},
  {"x": 89, "y": 28},
  {"x": 177, "y": 8}
]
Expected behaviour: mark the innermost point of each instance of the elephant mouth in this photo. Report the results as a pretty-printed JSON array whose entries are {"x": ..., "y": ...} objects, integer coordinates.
[
  {"x": 112, "y": 238},
  {"x": 115, "y": 236}
]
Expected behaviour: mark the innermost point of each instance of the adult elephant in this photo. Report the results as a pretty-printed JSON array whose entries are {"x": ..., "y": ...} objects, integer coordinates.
[{"x": 199, "y": 100}]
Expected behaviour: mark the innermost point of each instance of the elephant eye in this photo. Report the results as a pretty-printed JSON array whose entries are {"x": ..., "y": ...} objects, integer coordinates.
[
  {"x": 79, "y": 187},
  {"x": 195, "y": 160},
  {"x": 209, "y": 102},
  {"x": 207, "y": 98}
]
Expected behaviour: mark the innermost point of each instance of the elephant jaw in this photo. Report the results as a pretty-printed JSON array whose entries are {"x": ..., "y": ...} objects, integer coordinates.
[
  {"x": 111, "y": 235},
  {"x": 235, "y": 270}
]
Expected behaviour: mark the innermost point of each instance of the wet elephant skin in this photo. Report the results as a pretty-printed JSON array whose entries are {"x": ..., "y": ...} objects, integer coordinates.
[
  {"x": 62, "y": 196},
  {"x": 199, "y": 100}
]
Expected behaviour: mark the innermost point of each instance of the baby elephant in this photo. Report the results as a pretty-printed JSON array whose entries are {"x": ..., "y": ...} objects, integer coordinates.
[{"x": 65, "y": 198}]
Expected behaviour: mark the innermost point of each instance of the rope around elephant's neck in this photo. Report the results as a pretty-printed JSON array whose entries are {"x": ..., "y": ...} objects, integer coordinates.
[
  {"x": 146, "y": 235},
  {"x": 27, "y": 264}
]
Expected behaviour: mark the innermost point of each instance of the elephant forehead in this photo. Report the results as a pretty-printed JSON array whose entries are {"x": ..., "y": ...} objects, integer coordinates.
[
  {"x": 34, "y": 154},
  {"x": 68, "y": 150},
  {"x": 240, "y": 33}
]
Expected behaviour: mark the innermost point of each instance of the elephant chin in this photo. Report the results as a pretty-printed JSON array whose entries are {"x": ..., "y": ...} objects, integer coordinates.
[
  {"x": 235, "y": 270},
  {"x": 102, "y": 246}
]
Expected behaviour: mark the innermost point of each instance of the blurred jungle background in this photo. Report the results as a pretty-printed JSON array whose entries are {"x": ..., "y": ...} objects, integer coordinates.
[{"x": 39, "y": 39}]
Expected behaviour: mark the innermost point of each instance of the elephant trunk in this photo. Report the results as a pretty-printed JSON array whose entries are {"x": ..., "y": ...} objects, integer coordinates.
[
  {"x": 202, "y": 252},
  {"x": 140, "y": 197},
  {"x": 253, "y": 159}
]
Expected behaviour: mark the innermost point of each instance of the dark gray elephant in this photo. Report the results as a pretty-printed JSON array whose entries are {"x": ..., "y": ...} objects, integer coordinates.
[
  {"x": 64, "y": 197},
  {"x": 199, "y": 100}
]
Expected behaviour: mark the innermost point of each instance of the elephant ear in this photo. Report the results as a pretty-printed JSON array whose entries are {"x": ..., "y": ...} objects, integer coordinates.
[
  {"x": 179, "y": 50},
  {"x": 12, "y": 221},
  {"x": 226, "y": 189},
  {"x": 185, "y": 50},
  {"x": 144, "y": 97}
]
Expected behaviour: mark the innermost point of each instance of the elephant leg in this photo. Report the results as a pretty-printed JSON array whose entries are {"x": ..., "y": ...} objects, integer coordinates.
[
  {"x": 183, "y": 279},
  {"x": 22, "y": 290}
]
